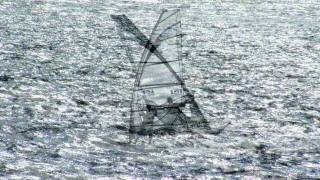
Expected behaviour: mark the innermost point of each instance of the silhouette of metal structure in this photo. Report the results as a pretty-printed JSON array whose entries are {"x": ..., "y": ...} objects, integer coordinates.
[{"x": 161, "y": 102}]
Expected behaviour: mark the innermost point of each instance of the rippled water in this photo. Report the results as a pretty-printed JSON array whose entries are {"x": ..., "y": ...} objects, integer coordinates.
[{"x": 65, "y": 83}]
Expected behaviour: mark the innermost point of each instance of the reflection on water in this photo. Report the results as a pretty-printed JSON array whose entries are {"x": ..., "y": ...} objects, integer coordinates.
[{"x": 65, "y": 85}]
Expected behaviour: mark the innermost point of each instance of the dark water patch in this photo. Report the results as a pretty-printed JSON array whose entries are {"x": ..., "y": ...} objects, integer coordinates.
[
  {"x": 103, "y": 171},
  {"x": 103, "y": 72},
  {"x": 198, "y": 170},
  {"x": 110, "y": 102},
  {"x": 308, "y": 129},
  {"x": 275, "y": 176},
  {"x": 43, "y": 79},
  {"x": 311, "y": 117},
  {"x": 309, "y": 108},
  {"x": 246, "y": 160},
  {"x": 259, "y": 95},
  {"x": 294, "y": 76},
  {"x": 54, "y": 155},
  {"x": 290, "y": 163},
  {"x": 5, "y": 78},
  {"x": 256, "y": 108},
  {"x": 268, "y": 160},
  {"x": 13, "y": 57},
  {"x": 43, "y": 128},
  {"x": 220, "y": 56},
  {"x": 45, "y": 154},
  {"x": 97, "y": 163},
  {"x": 81, "y": 102},
  {"x": 308, "y": 47},
  {"x": 261, "y": 148},
  {"x": 29, "y": 112},
  {"x": 211, "y": 90},
  {"x": 29, "y": 46},
  {"x": 231, "y": 171},
  {"x": 292, "y": 103},
  {"x": 165, "y": 131},
  {"x": 120, "y": 127},
  {"x": 309, "y": 38},
  {"x": 217, "y": 27},
  {"x": 81, "y": 114},
  {"x": 12, "y": 147},
  {"x": 306, "y": 176},
  {"x": 213, "y": 52},
  {"x": 5, "y": 170},
  {"x": 83, "y": 72}
]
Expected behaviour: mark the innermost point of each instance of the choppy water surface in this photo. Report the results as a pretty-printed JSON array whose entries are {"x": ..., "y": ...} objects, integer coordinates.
[{"x": 65, "y": 81}]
